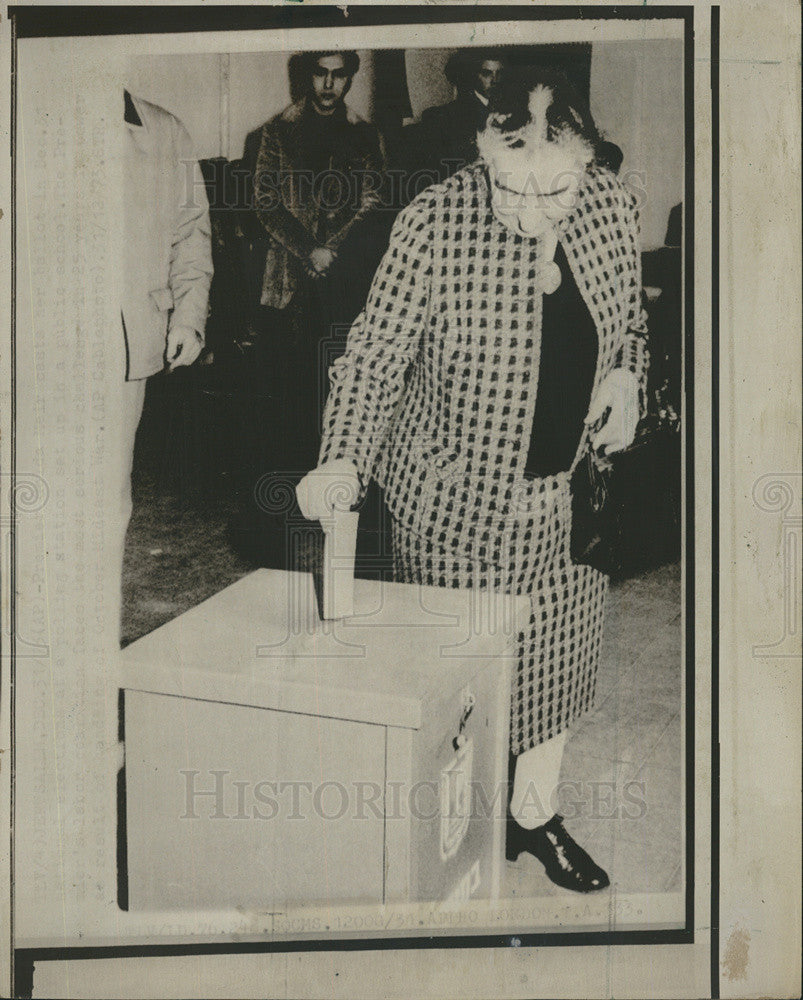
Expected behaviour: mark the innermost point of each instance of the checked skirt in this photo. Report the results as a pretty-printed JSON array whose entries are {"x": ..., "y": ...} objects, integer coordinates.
[{"x": 559, "y": 647}]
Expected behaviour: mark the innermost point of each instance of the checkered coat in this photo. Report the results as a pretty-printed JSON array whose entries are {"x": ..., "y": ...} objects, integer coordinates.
[{"x": 435, "y": 398}]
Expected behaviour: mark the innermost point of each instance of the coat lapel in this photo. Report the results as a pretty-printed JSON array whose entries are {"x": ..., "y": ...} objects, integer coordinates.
[{"x": 141, "y": 136}]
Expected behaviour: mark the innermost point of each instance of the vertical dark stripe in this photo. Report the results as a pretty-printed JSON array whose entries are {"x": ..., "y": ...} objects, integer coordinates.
[
  {"x": 688, "y": 415},
  {"x": 122, "y": 812},
  {"x": 385, "y": 827},
  {"x": 12, "y": 547},
  {"x": 22, "y": 969},
  {"x": 715, "y": 11}
]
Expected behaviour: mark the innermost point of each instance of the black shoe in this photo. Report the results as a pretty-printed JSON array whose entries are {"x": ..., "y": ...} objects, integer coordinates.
[{"x": 566, "y": 863}]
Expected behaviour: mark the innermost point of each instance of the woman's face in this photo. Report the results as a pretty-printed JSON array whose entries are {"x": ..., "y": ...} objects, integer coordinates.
[{"x": 535, "y": 170}]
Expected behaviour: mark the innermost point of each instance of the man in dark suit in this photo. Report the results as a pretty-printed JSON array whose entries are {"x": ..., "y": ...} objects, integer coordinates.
[{"x": 448, "y": 133}]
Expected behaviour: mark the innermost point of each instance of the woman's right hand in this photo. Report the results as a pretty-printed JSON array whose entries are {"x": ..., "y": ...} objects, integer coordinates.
[{"x": 332, "y": 486}]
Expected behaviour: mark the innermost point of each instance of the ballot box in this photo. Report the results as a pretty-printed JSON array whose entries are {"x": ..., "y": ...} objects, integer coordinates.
[{"x": 272, "y": 759}]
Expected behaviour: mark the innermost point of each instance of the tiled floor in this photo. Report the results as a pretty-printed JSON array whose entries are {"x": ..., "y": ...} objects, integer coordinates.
[
  {"x": 622, "y": 768},
  {"x": 621, "y": 778}
]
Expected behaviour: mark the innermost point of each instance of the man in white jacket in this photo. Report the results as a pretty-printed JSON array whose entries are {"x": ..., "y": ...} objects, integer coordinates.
[{"x": 167, "y": 261}]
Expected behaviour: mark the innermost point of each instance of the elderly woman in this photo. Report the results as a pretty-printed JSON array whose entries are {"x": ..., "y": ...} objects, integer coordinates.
[{"x": 503, "y": 336}]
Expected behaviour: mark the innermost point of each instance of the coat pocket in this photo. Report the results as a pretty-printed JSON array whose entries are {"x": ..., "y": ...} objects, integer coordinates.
[
  {"x": 441, "y": 464},
  {"x": 461, "y": 505},
  {"x": 436, "y": 469}
]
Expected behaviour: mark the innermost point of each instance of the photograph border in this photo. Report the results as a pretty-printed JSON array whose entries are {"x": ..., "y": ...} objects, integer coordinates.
[{"x": 29, "y": 21}]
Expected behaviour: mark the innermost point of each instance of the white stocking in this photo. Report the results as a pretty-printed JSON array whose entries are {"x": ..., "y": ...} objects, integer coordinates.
[{"x": 535, "y": 781}]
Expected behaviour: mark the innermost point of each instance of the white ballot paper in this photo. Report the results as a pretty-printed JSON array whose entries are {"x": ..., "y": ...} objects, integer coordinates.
[{"x": 339, "y": 550}]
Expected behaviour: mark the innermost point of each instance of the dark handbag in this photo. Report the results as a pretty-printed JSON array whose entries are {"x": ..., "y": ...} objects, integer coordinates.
[
  {"x": 626, "y": 506},
  {"x": 596, "y": 526}
]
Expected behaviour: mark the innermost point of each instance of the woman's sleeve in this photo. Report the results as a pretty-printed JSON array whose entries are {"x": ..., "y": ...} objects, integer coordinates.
[
  {"x": 633, "y": 355},
  {"x": 367, "y": 382}
]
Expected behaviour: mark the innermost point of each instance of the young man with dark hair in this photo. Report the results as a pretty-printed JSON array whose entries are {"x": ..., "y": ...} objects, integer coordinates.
[{"x": 317, "y": 178}]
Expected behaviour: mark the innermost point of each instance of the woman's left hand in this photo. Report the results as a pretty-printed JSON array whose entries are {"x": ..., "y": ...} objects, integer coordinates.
[{"x": 618, "y": 394}]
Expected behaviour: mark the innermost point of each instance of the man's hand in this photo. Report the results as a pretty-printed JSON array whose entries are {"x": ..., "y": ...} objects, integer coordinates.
[
  {"x": 618, "y": 394},
  {"x": 320, "y": 260},
  {"x": 183, "y": 346},
  {"x": 333, "y": 485}
]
